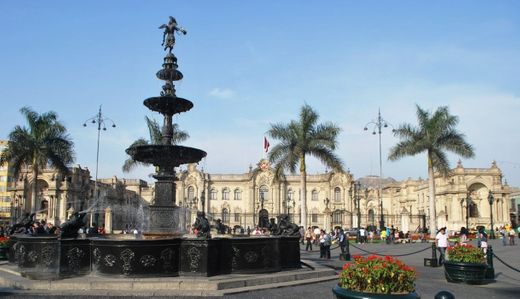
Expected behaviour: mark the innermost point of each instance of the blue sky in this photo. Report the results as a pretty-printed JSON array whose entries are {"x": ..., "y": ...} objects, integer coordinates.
[{"x": 248, "y": 64}]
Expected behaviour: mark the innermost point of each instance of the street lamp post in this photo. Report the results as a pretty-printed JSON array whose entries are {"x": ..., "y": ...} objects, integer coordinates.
[
  {"x": 101, "y": 120},
  {"x": 491, "y": 199},
  {"x": 351, "y": 204},
  {"x": 468, "y": 201},
  {"x": 357, "y": 187},
  {"x": 203, "y": 200},
  {"x": 379, "y": 123}
]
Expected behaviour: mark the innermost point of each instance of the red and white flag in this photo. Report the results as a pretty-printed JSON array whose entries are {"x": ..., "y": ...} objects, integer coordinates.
[{"x": 266, "y": 145}]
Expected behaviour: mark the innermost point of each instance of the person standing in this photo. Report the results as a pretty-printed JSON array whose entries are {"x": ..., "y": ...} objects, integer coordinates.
[
  {"x": 327, "y": 244},
  {"x": 322, "y": 244},
  {"x": 441, "y": 241},
  {"x": 342, "y": 240},
  {"x": 309, "y": 238},
  {"x": 483, "y": 240},
  {"x": 317, "y": 233}
]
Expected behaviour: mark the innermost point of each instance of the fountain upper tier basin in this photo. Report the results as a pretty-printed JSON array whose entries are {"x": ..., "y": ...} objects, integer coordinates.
[
  {"x": 168, "y": 105},
  {"x": 166, "y": 155}
]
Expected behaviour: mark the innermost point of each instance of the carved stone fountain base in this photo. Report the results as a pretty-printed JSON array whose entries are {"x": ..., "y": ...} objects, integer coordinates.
[
  {"x": 167, "y": 219},
  {"x": 49, "y": 258}
]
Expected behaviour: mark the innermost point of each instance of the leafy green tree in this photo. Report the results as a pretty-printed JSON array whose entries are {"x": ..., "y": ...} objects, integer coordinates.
[
  {"x": 155, "y": 138},
  {"x": 300, "y": 138},
  {"x": 435, "y": 134},
  {"x": 44, "y": 142}
]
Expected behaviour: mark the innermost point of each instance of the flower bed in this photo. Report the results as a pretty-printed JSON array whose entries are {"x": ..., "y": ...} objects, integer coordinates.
[{"x": 379, "y": 275}]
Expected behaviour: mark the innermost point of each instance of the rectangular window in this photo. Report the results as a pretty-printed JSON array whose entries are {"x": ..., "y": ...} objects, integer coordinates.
[
  {"x": 237, "y": 217},
  {"x": 314, "y": 218}
]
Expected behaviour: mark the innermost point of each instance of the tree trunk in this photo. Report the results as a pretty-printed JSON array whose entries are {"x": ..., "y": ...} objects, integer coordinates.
[
  {"x": 303, "y": 184},
  {"x": 34, "y": 188},
  {"x": 431, "y": 189}
]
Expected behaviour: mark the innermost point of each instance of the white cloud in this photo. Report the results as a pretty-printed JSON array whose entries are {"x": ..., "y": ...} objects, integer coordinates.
[{"x": 222, "y": 93}]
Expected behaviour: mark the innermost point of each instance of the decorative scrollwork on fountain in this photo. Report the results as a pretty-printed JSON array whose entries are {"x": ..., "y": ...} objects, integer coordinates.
[
  {"x": 47, "y": 254},
  {"x": 110, "y": 260},
  {"x": 74, "y": 256},
  {"x": 148, "y": 261},
  {"x": 236, "y": 257},
  {"x": 20, "y": 255},
  {"x": 97, "y": 256},
  {"x": 127, "y": 256},
  {"x": 32, "y": 256},
  {"x": 251, "y": 256},
  {"x": 194, "y": 257},
  {"x": 166, "y": 258}
]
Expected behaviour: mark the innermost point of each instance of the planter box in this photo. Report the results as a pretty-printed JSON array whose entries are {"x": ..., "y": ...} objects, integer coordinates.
[
  {"x": 465, "y": 272},
  {"x": 342, "y": 293}
]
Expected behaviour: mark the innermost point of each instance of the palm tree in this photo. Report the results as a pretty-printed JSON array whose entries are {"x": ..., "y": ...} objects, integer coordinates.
[
  {"x": 155, "y": 138},
  {"x": 435, "y": 134},
  {"x": 44, "y": 142},
  {"x": 299, "y": 139}
]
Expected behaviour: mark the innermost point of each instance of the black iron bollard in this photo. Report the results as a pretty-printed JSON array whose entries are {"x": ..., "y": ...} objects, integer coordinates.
[
  {"x": 490, "y": 271},
  {"x": 433, "y": 262},
  {"x": 444, "y": 295}
]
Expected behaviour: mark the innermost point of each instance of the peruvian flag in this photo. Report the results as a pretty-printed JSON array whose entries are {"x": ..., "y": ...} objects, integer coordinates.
[{"x": 266, "y": 145}]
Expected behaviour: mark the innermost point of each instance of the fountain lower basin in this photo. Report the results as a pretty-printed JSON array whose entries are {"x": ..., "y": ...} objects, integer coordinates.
[{"x": 49, "y": 258}]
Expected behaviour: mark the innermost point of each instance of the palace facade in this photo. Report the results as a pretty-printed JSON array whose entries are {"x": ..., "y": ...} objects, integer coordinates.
[
  {"x": 338, "y": 199},
  {"x": 333, "y": 199}
]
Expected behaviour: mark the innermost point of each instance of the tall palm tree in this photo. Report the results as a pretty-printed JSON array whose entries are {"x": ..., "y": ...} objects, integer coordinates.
[
  {"x": 301, "y": 138},
  {"x": 155, "y": 138},
  {"x": 44, "y": 142},
  {"x": 435, "y": 134}
]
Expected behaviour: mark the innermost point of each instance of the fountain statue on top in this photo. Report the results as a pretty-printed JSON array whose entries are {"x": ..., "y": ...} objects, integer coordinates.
[{"x": 164, "y": 214}]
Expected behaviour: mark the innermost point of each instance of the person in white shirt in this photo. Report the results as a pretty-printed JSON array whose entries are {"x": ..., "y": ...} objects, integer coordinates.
[{"x": 441, "y": 241}]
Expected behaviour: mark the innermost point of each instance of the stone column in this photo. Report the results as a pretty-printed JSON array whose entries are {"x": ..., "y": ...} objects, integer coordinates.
[{"x": 108, "y": 220}]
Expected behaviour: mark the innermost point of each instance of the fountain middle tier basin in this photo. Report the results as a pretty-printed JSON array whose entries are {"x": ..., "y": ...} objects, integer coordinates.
[
  {"x": 168, "y": 105},
  {"x": 166, "y": 155},
  {"x": 49, "y": 258}
]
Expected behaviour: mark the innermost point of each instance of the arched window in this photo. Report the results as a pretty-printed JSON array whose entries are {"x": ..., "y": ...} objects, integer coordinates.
[
  {"x": 337, "y": 194},
  {"x": 238, "y": 194},
  {"x": 191, "y": 193},
  {"x": 371, "y": 216},
  {"x": 314, "y": 195},
  {"x": 225, "y": 194},
  {"x": 263, "y": 193},
  {"x": 213, "y": 194},
  {"x": 225, "y": 215}
]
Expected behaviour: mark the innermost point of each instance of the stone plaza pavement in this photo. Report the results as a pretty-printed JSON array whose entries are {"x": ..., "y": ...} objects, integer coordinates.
[{"x": 429, "y": 281}]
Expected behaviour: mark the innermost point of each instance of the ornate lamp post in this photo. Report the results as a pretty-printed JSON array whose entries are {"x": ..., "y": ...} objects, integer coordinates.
[
  {"x": 379, "y": 123},
  {"x": 101, "y": 121},
  {"x": 491, "y": 199},
  {"x": 357, "y": 187},
  {"x": 468, "y": 202},
  {"x": 203, "y": 200},
  {"x": 351, "y": 204}
]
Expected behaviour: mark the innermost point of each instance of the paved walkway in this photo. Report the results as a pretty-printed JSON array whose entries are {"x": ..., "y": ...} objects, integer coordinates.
[{"x": 429, "y": 281}]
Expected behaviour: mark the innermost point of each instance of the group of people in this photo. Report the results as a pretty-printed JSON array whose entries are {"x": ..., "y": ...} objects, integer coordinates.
[
  {"x": 324, "y": 239},
  {"x": 35, "y": 228}
]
